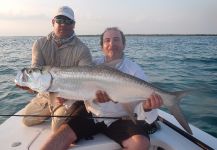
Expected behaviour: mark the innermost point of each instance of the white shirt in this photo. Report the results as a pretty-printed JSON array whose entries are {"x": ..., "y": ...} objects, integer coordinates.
[{"x": 111, "y": 109}]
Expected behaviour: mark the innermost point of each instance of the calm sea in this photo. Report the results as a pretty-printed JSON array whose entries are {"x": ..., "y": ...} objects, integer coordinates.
[{"x": 171, "y": 62}]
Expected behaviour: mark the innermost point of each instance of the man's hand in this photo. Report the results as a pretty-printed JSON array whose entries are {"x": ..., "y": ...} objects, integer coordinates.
[
  {"x": 102, "y": 96},
  {"x": 154, "y": 101},
  {"x": 59, "y": 100}
]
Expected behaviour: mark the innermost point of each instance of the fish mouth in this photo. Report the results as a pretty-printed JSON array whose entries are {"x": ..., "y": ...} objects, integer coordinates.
[
  {"x": 20, "y": 79},
  {"x": 24, "y": 87}
]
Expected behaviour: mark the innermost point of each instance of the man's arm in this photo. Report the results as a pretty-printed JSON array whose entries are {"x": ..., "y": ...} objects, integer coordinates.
[
  {"x": 85, "y": 58},
  {"x": 37, "y": 57}
]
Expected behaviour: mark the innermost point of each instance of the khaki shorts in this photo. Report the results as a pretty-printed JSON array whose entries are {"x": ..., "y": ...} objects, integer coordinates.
[{"x": 39, "y": 106}]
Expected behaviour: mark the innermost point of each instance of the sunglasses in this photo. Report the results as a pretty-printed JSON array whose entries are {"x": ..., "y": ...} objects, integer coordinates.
[{"x": 64, "y": 21}]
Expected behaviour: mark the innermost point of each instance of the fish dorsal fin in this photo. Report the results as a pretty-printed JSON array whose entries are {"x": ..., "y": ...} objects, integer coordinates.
[{"x": 129, "y": 110}]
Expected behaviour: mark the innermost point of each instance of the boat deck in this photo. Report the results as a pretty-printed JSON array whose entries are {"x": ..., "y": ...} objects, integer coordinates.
[{"x": 15, "y": 135}]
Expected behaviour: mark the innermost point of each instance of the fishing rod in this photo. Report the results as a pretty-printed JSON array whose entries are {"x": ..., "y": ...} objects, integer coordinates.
[
  {"x": 186, "y": 135},
  {"x": 63, "y": 116}
]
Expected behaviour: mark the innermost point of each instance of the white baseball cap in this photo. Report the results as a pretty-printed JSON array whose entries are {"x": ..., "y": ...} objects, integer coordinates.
[{"x": 65, "y": 11}]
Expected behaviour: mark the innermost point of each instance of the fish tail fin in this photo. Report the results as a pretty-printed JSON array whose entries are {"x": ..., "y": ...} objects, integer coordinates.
[
  {"x": 180, "y": 94},
  {"x": 176, "y": 111}
]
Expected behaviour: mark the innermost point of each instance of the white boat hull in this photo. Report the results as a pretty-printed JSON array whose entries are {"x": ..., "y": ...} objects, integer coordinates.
[{"x": 15, "y": 135}]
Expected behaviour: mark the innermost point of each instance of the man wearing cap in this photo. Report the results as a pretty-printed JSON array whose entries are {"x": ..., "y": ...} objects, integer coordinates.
[{"x": 61, "y": 48}]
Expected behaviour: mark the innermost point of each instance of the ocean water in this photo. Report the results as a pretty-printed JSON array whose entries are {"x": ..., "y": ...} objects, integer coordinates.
[{"x": 171, "y": 63}]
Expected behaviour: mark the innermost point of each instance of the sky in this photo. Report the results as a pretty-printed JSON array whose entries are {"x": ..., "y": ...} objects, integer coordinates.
[{"x": 33, "y": 17}]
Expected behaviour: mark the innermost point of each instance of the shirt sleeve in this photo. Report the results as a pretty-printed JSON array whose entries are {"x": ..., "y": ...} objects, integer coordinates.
[
  {"x": 37, "y": 57},
  {"x": 149, "y": 116},
  {"x": 85, "y": 57},
  {"x": 140, "y": 74}
]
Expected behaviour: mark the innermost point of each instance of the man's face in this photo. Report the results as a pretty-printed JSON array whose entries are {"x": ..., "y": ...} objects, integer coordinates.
[
  {"x": 112, "y": 45},
  {"x": 63, "y": 27}
]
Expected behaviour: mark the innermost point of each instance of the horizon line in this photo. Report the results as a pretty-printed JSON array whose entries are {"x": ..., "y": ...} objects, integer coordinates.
[{"x": 81, "y": 35}]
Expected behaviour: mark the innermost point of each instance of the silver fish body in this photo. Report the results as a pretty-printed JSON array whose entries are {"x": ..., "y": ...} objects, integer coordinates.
[{"x": 81, "y": 83}]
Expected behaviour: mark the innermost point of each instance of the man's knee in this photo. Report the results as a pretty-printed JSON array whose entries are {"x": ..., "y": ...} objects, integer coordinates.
[
  {"x": 136, "y": 142},
  {"x": 58, "y": 121},
  {"x": 33, "y": 108},
  {"x": 31, "y": 121}
]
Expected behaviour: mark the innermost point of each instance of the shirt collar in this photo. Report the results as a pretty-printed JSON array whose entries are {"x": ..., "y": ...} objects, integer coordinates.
[{"x": 114, "y": 63}]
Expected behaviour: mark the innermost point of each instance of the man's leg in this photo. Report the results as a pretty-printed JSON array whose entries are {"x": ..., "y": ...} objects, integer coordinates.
[
  {"x": 37, "y": 106},
  {"x": 136, "y": 142},
  {"x": 129, "y": 135},
  {"x": 78, "y": 126},
  {"x": 60, "y": 139},
  {"x": 58, "y": 121}
]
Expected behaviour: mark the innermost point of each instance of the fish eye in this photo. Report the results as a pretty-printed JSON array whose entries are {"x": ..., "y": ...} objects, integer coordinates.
[
  {"x": 29, "y": 71},
  {"x": 23, "y": 70}
]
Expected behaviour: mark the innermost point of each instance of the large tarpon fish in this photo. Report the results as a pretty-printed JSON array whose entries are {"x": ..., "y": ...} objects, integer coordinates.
[{"x": 81, "y": 83}]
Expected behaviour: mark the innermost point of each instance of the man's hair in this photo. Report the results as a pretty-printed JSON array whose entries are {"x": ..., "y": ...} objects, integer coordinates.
[{"x": 115, "y": 29}]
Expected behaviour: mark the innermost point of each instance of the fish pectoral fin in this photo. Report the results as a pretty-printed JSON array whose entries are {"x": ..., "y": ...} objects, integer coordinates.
[
  {"x": 176, "y": 111},
  {"x": 128, "y": 108}
]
